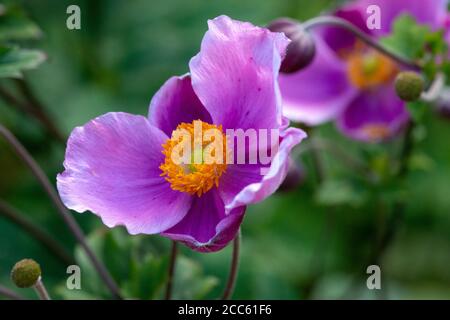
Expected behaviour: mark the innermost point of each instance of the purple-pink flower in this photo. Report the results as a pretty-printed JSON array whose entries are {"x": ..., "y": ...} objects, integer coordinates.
[
  {"x": 351, "y": 83},
  {"x": 117, "y": 165}
]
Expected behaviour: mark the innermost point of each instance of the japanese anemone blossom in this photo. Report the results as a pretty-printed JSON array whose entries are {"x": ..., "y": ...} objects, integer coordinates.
[
  {"x": 119, "y": 167},
  {"x": 351, "y": 83}
]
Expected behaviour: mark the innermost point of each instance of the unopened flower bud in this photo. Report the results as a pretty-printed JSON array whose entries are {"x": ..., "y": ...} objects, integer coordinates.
[
  {"x": 300, "y": 52},
  {"x": 294, "y": 178},
  {"x": 409, "y": 85},
  {"x": 25, "y": 273}
]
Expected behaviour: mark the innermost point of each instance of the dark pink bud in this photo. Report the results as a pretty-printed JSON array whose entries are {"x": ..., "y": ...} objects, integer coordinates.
[{"x": 301, "y": 50}]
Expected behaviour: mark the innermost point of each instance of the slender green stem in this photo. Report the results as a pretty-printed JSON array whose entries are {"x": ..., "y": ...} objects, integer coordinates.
[
  {"x": 231, "y": 282},
  {"x": 35, "y": 231},
  {"x": 8, "y": 293},
  {"x": 325, "y": 145},
  {"x": 407, "y": 148},
  {"x": 351, "y": 162},
  {"x": 317, "y": 163},
  {"x": 391, "y": 224},
  {"x": 33, "y": 108},
  {"x": 435, "y": 89},
  {"x": 69, "y": 220},
  {"x": 171, "y": 271},
  {"x": 41, "y": 290},
  {"x": 317, "y": 262},
  {"x": 341, "y": 23}
]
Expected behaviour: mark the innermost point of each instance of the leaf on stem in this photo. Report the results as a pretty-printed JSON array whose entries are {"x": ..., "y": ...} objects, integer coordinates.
[
  {"x": 13, "y": 61},
  {"x": 15, "y": 24}
]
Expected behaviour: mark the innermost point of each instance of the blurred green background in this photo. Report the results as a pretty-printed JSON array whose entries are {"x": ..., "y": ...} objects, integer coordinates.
[{"x": 313, "y": 242}]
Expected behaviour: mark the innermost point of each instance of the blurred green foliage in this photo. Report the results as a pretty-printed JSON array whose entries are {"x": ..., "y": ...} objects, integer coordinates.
[{"x": 314, "y": 242}]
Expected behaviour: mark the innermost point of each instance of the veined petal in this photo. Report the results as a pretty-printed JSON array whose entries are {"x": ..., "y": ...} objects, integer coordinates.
[
  {"x": 207, "y": 227},
  {"x": 374, "y": 115},
  {"x": 244, "y": 184},
  {"x": 112, "y": 169},
  {"x": 174, "y": 103},
  {"x": 235, "y": 74},
  {"x": 319, "y": 92}
]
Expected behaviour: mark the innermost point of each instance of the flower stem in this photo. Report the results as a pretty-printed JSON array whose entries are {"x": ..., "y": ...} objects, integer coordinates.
[
  {"x": 35, "y": 231},
  {"x": 351, "y": 162},
  {"x": 32, "y": 107},
  {"x": 390, "y": 225},
  {"x": 231, "y": 282},
  {"x": 407, "y": 148},
  {"x": 341, "y": 23},
  {"x": 434, "y": 89},
  {"x": 61, "y": 209},
  {"x": 4, "y": 291},
  {"x": 317, "y": 163},
  {"x": 405, "y": 154},
  {"x": 41, "y": 290},
  {"x": 171, "y": 271}
]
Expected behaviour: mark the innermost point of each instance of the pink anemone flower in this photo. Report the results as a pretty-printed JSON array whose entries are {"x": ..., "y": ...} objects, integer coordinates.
[{"x": 119, "y": 165}]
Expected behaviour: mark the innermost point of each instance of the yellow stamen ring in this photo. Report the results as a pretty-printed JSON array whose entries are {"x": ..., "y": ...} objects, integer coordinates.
[
  {"x": 195, "y": 157},
  {"x": 367, "y": 69}
]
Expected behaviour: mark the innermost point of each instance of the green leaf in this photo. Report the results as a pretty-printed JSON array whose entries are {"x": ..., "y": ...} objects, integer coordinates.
[
  {"x": 13, "y": 61},
  {"x": 148, "y": 277},
  {"x": 190, "y": 282},
  {"x": 419, "y": 43},
  {"x": 111, "y": 248},
  {"x": 139, "y": 269},
  {"x": 408, "y": 38},
  {"x": 15, "y": 25}
]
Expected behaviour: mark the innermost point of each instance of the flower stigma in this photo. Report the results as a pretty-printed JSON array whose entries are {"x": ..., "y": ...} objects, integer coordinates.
[
  {"x": 368, "y": 68},
  {"x": 376, "y": 132},
  {"x": 195, "y": 157}
]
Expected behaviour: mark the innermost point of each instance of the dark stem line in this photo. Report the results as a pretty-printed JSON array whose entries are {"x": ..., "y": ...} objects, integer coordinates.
[
  {"x": 351, "y": 162},
  {"x": 4, "y": 291},
  {"x": 387, "y": 235},
  {"x": 40, "y": 109},
  {"x": 393, "y": 223},
  {"x": 347, "y": 160},
  {"x": 407, "y": 148},
  {"x": 35, "y": 231},
  {"x": 399, "y": 206},
  {"x": 171, "y": 270},
  {"x": 61, "y": 209},
  {"x": 317, "y": 163},
  {"x": 341, "y": 23},
  {"x": 404, "y": 157},
  {"x": 33, "y": 108},
  {"x": 231, "y": 282},
  {"x": 317, "y": 262}
]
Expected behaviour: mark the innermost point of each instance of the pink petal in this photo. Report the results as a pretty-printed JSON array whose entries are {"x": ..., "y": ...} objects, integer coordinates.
[
  {"x": 112, "y": 169},
  {"x": 235, "y": 73},
  {"x": 244, "y": 184},
  {"x": 372, "y": 111},
  {"x": 319, "y": 92},
  {"x": 174, "y": 103},
  {"x": 207, "y": 227}
]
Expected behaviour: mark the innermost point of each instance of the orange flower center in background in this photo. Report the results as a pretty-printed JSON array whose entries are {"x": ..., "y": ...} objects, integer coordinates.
[
  {"x": 195, "y": 157},
  {"x": 376, "y": 132},
  {"x": 367, "y": 68}
]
